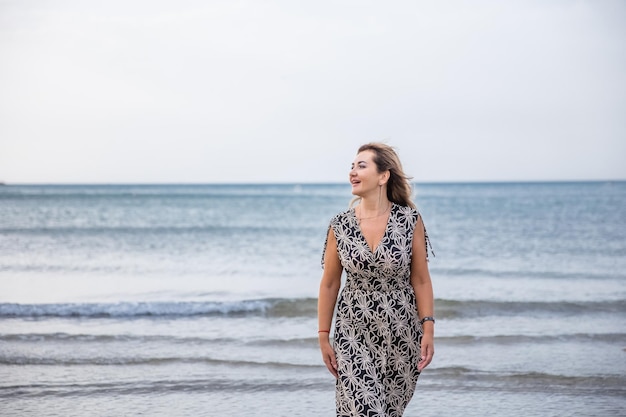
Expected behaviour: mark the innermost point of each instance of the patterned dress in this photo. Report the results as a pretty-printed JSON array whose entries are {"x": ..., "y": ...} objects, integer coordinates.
[{"x": 377, "y": 331}]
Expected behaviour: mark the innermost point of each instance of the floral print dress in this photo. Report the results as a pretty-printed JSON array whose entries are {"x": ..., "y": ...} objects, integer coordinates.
[{"x": 377, "y": 331}]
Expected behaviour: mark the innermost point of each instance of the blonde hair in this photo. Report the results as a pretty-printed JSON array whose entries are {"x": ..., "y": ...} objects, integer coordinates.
[{"x": 399, "y": 189}]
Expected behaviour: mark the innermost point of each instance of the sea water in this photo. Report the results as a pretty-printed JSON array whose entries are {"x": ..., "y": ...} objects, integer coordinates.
[{"x": 200, "y": 300}]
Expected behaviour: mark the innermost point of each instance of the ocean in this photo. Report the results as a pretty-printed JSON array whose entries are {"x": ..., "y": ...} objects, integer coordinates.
[{"x": 200, "y": 300}]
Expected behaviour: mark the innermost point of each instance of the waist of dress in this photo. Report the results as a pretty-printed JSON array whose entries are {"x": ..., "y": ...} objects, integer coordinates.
[{"x": 376, "y": 288}]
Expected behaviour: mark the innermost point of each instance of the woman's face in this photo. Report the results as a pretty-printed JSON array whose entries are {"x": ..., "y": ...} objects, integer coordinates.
[{"x": 364, "y": 175}]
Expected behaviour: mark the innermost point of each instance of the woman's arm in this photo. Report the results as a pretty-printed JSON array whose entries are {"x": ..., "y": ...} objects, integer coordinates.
[
  {"x": 422, "y": 285},
  {"x": 329, "y": 289}
]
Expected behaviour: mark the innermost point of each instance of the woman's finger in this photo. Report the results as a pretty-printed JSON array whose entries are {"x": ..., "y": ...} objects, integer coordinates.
[
  {"x": 426, "y": 357},
  {"x": 330, "y": 361}
]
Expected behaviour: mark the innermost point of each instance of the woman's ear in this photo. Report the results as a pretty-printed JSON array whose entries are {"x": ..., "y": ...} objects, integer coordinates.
[{"x": 384, "y": 178}]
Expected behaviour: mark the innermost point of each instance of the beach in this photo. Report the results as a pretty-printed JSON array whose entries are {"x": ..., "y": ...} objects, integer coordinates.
[{"x": 180, "y": 300}]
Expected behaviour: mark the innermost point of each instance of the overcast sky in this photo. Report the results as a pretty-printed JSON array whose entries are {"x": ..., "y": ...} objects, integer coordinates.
[{"x": 285, "y": 91}]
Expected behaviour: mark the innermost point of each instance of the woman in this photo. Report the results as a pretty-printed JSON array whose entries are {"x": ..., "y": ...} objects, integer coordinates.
[{"x": 384, "y": 326}]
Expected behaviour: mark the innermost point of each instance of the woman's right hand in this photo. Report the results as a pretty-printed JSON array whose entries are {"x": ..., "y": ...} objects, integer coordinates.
[{"x": 328, "y": 355}]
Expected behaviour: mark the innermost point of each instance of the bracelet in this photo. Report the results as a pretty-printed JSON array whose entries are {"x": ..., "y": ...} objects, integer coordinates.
[
  {"x": 429, "y": 318},
  {"x": 323, "y": 331}
]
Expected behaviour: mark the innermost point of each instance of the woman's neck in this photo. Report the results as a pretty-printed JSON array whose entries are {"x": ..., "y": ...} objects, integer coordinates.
[{"x": 373, "y": 206}]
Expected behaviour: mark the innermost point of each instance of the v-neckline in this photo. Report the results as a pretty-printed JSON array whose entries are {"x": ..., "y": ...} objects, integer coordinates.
[{"x": 358, "y": 226}]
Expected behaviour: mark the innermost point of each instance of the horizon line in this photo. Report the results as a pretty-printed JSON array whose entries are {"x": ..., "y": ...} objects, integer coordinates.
[{"x": 246, "y": 183}]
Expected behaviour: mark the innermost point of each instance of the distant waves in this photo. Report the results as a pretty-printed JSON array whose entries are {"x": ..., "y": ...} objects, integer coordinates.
[{"x": 297, "y": 307}]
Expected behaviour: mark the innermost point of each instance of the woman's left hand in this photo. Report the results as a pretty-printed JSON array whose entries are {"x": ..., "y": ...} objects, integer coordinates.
[{"x": 427, "y": 353}]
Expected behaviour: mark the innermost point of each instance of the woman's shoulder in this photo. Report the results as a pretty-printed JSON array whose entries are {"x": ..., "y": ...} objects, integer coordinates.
[
  {"x": 407, "y": 215},
  {"x": 342, "y": 217},
  {"x": 407, "y": 211}
]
